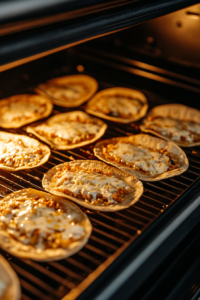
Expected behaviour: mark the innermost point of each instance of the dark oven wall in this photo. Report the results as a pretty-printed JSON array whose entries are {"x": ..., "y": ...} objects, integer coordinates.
[{"x": 173, "y": 37}]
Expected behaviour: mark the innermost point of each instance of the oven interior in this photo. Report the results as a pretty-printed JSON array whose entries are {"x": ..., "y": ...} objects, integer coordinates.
[{"x": 120, "y": 59}]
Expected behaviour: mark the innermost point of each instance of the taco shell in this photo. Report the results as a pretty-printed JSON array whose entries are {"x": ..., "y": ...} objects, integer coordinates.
[
  {"x": 24, "y": 251},
  {"x": 89, "y": 82},
  {"x": 174, "y": 111},
  {"x": 115, "y": 91},
  {"x": 29, "y": 142},
  {"x": 150, "y": 142},
  {"x": 70, "y": 116},
  {"x": 11, "y": 281},
  {"x": 19, "y": 110},
  {"x": 131, "y": 180}
]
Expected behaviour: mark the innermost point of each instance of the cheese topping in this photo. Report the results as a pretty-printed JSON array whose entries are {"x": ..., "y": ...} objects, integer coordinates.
[
  {"x": 68, "y": 132},
  {"x": 68, "y": 92},
  {"x": 17, "y": 154},
  {"x": 118, "y": 106},
  {"x": 176, "y": 130},
  {"x": 94, "y": 187},
  {"x": 18, "y": 110},
  {"x": 139, "y": 158},
  {"x": 40, "y": 222}
]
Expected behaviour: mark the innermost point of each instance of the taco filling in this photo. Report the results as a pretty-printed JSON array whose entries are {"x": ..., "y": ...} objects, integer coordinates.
[
  {"x": 118, "y": 106},
  {"x": 40, "y": 222},
  {"x": 15, "y": 153},
  {"x": 92, "y": 185},
  {"x": 145, "y": 160},
  {"x": 68, "y": 132},
  {"x": 175, "y": 130},
  {"x": 70, "y": 91},
  {"x": 22, "y": 110}
]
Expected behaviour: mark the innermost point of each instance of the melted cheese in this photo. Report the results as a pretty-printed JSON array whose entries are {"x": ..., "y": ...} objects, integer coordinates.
[
  {"x": 193, "y": 127},
  {"x": 28, "y": 218},
  {"x": 90, "y": 186},
  {"x": 68, "y": 92},
  {"x": 118, "y": 106},
  {"x": 16, "y": 154},
  {"x": 175, "y": 129},
  {"x": 139, "y": 157},
  {"x": 20, "y": 109},
  {"x": 70, "y": 131}
]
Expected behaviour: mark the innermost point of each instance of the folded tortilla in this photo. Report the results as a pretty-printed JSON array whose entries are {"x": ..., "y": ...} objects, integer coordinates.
[
  {"x": 177, "y": 112},
  {"x": 24, "y": 108},
  {"x": 29, "y": 142},
  {"x": 21, "y": 250},
  {"x": 70, "y": 116},
  {"x": 129, "y": 199},
  {"x": 11, "y": 281},
  {"x": 119, "y": 91},
  {"x": 89, "y": 82},
  {"x": 145, "y": 140}
]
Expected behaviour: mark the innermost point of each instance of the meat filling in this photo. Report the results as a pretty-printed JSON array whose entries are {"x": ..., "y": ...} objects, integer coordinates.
[{"x": 92, "y": 185}]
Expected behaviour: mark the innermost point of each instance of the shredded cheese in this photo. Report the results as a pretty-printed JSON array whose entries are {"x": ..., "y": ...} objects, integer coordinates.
[
  {"x": 93, "y": 187},
  {"x": 176, "y": 130},
  {"x": 17, "y": 154},
  {"x": 40, "y": 222},
  {"x": 68, "y": 131},
  {"x": 118, "y": 106},
  {"x": 138, "y": 157},
  {"x": 68, "y": 92},
  {"x": 19, "y": 110}
]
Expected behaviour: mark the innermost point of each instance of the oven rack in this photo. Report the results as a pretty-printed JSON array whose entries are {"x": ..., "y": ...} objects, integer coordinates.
[{"x": 112, "y": 232}]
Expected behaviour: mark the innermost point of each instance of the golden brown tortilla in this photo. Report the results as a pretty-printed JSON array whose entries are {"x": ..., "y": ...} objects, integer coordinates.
[
  {"x": 30, "y": 142},
  {"x": 25, "y": 101},
  {"x": 115, "y": 91},
  {"x": 18, "y": 249},
  {"x": 70, "y": 116},
  {"x": 87, "y": 81},
  {"x": 9, "y": 277},
  {"x": 173, "y": 111},
  {"x": 150, "y": 142},
  {"x": 131, "y": 180}
]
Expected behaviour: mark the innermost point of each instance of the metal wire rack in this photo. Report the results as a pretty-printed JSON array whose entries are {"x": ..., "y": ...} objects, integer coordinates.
[
  {"x": 112, "y": 232},
  {"x": 53, "y": 280}
]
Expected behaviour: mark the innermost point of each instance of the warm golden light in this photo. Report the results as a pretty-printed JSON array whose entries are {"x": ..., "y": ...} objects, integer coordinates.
[{"x": 80, "y": 68}]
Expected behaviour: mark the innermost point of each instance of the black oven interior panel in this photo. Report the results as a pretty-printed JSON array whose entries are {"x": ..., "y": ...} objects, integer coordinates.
[
  {"x": 46, "y": 25},
  {"x": 112, "y": 232},
  {"x": 177, "y": 83},
  {"x": 173, "y": 37},
  {"x": 183, "y": 275},
  {"x": 177, "y": 276}
]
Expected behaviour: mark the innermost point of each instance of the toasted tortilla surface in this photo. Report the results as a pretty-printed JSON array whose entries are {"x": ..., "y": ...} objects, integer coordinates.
[
  {"x": 131, "y": 180},
  {"x": 29, "y": 142},
  {"x": 18, "y": 249},
  {"x": 174, "y": 111},
  {"x": 70, "y": 116},
  {"x": 25, "y": 100},
  {"x": 89, "y": 81},
  {"x": 9, "y": 277},
  {"x": 150, "y": 142},
  {"x": 114, "y": 91}
]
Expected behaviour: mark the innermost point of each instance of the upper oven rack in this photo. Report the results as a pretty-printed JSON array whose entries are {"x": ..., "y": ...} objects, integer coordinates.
[{"x": 116, "y": 236}]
